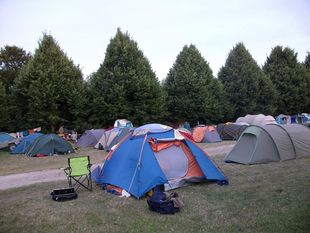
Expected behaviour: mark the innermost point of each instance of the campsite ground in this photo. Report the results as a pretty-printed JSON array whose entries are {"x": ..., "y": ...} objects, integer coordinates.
[{"x": 272, "y": 197}]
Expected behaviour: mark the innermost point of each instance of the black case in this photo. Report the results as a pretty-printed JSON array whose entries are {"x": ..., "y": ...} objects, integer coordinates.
[{"x": 65, "y": 194}]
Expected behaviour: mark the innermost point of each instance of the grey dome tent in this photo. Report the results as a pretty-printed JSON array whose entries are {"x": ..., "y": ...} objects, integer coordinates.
[
  {"x": 268, "y": 143},
  {"x": 90, "y": 137}
]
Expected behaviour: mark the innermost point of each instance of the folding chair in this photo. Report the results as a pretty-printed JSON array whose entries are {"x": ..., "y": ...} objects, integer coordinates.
[{"x": 78, "y": 173}]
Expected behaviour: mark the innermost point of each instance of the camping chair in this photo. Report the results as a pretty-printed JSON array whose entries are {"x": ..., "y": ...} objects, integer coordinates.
[{"x": 78, "y": 173}]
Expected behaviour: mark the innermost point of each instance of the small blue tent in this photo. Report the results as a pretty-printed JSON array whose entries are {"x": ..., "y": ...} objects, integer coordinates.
[
  {"x": 152, "y": 155},
  {"x": 25, "y": 142},
  {"x": 6, "y": 139}
]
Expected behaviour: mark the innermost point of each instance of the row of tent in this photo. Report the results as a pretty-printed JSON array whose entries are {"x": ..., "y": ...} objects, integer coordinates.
[
  {"x": 156, "y": 154},
  {"x": 303, "y": 118}
]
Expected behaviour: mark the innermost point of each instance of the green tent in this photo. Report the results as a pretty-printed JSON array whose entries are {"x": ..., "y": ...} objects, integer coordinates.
[{"x": 49, "y": 144}]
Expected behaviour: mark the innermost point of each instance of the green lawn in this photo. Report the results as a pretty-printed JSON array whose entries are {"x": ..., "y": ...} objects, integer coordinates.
[
  {"x": 272, "y": 197},
  {"x": 12, "y": 164}
]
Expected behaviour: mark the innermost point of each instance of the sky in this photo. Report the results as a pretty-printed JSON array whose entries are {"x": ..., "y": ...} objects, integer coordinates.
[{"x": 84, "y": 28}]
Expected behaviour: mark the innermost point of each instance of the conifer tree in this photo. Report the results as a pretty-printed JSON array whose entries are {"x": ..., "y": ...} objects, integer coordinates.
[
  {"x": 12, "y": 59},
  {"x": 193, "y": 94},
  {"x": 3, "y": 108},
  {"x": 307, "y": 61},
  {"x": 49, "y": 90},
  {"x": 125, "y": 86},
  {"x": 290, "y": 79},
  {"x": 245, "y": 84}
]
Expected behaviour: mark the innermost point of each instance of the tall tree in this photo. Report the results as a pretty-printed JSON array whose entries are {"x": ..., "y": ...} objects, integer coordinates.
[
  {"x": 12, "y": 58},
  {"x": 125, "y": 86},
  {"x": 290, "y": 79},
  {"x": 49, "y": 90},
  {"x": 307, "y": 60},
  {"x": 193, "y": 94},
  {"x": 245, "y": 84},
  {"x": 3, "y": 109}
]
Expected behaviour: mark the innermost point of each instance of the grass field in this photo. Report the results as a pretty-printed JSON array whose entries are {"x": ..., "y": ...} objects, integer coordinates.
[
  {"x": 272, "y": 197},
  {"x": 12, "y": 164}
]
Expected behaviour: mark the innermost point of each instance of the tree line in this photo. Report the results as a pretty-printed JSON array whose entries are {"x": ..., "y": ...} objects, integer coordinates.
[{"x": 47, "y": 89}]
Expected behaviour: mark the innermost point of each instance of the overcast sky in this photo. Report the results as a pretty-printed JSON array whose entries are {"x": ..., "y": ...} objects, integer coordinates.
[{"x": 161, "y": 28}]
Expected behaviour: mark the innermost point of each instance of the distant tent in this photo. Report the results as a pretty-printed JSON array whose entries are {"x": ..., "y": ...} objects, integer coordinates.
[
  {"x": 186, "y": 133},
  {"x": 49, "y": 144},
  {"x": 230, "y": 131},
  {"x": 259, "y": 119},
  {"x": 6, "y": 139},
  {"x": 90, "y": 137},
  {"x": 283, "y": 119},
  {"x": 25, "y": 142},
  {"x": 123, "y": 123},
  {"x": 203, "y": 133},
  {"x": 111, "y": 137},
  {"x": 262, "y": 144},
  {"x": 153, "y": 155}
]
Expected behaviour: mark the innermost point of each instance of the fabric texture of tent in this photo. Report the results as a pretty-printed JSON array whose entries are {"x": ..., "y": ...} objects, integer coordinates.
[
  {"x": 203, "y": 133},
  {"x": 90, "y": 137},
  {"x": 123, "y": 123},
  {"x": 186, "y": 133},
  {"x": 25, "y": 142},
  {"x": 6, "y": 140},
  {"x": 153, "y": 155},
  {"x": 259, "y": 119},
  {"x": 268, "y": 143},
  {"x": 111, "y": 137},
  {"x": 230, "y": 131},
  {"x": 283, "y": 119},
  {"x": 49, "y": 144}
]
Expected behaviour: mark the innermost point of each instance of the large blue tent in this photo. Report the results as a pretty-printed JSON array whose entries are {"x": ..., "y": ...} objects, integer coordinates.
[{"x": 137, "y": 166}]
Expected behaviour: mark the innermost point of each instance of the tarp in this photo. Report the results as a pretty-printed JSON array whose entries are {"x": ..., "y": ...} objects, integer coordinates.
[{"x": 159, "y": 156}]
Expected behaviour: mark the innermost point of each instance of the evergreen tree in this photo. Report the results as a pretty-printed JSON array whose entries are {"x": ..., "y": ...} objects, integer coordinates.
[
  {"x": 49, "y": 90},
  {"x": 246, "y": 85},
  {"x": 193, "y": 94},
  {"x": 12, "y": 59},
  {"x": 307, "y": 61},
  {"x": 125, "y": 86},
  {"x": 3, "y": 109},
  {"x": 290, "y": 79}
]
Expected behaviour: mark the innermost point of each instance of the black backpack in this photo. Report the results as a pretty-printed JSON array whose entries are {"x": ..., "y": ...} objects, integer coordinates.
[{"x": 158, "y": 202}]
